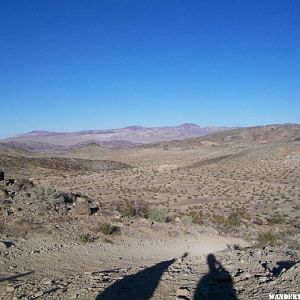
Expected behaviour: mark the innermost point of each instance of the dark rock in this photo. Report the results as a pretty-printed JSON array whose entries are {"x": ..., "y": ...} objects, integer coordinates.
[
  {"x": 64, "y": 198},
  {"x": 1, "y": 175},
  {"x": 8, "y": 244},
  {"x": 10, "y": 182},
  {"x": 94, "y": 210},
  {"x": 234, "y": 247},
  {"x": 257, "y": 221}
]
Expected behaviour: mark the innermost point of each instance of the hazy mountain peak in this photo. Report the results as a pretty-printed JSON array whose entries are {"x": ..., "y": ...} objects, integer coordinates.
[
  {"x": 189, "y": 125},
  {"x": 135, "y": 127}
]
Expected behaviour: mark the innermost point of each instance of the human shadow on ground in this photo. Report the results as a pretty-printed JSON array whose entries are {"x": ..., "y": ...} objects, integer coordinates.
[
  {"x": 217, "y": 284},
  {"x": 15, "y": 277},
  {"x": 139, "y": 286}
]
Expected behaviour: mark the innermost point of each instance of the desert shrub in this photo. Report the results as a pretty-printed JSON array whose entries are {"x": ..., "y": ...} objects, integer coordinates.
[
  {"x": 266, "y": 238},
  {"x": 185, "y": 219},
  {"x": 218, "y": 219},
  {"x": 106, "y": 228},
  {"x": 43, "y": 193},
  {"x": 277, "y": 219},
  {"x": 24, "y": 185},
  {"x": 86, "y": 238},
  {"x": 126, "y": 209},
  {"x": 158, "y": 214},
  {"x": 62, "y": 197},
  {"x": 288, "y": 233},
  {"x": 234, "y": 218},
  {"x": 134, "y": 209},
  {"x": 197, "y": 216}
]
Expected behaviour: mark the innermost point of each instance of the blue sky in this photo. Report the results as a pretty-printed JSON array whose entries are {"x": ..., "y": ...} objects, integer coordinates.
[{"x": 69, "y": 65}]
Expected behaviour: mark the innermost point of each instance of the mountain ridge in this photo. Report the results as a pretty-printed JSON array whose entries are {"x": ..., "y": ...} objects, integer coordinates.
[{"x": 121, "y": 137}]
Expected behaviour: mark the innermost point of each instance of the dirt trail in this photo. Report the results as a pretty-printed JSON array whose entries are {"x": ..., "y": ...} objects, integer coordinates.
[{"x": 49, "y": 258}]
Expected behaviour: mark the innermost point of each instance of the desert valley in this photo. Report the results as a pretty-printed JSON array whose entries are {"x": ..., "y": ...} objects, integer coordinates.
[{"x": 138, "y": 213}]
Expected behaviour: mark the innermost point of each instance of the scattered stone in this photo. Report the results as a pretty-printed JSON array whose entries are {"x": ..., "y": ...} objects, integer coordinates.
[
  {"x": 94, "y": 210},
  {"x": 39, "y": 294},
  {"x": 74, "y": 296},
  {"x": 183, "y": 293},
  {"x": 257, "y": 221},
  {"x": 47, "y": 281},
  {"x": 10, "y": 289},
  {"x": 264, "y": 279},
  {"x": 10, "y": 182},
  {"x": 234, "y": 247},
  {"x": 242, "y": 276}
]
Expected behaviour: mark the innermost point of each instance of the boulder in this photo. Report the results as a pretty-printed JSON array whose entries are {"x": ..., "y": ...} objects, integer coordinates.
[
  {"x": 80, "y": 199},
  {"x": 10, "y": 181},
  {"x": 94, "y": 210},
  {"x": 63, "y": 198},
  {"x": 257, "y": 221}
]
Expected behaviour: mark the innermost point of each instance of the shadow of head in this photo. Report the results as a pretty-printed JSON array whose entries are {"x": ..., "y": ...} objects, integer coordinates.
[
  {"x": 216, "y": 284},
  {"x": 212, "y": 262}
]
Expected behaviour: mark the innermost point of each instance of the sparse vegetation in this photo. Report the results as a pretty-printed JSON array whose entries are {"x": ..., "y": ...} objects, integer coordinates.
[
  {"x": 277, "y": 219},
  {"x": 235, "y": 217},
  {"x": 267, "y": 238},
  {"x": 134, "y": 209},
  {"x": 158, "y": 214},
  {"x": 196, "y": 216},
  {"x": 86, "y": 238},
  {"x": 185, "y": 219},
  {"x": 106, "y": 228}
]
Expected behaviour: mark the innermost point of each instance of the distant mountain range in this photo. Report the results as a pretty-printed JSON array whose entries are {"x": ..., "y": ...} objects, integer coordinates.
[{"x": 109, "y": 138}]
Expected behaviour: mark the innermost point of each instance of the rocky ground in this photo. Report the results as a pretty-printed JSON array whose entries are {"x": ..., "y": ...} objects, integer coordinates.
[{"x": 243, "y": 273}]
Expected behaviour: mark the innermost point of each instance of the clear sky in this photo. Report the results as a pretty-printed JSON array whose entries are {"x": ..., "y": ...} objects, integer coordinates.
[{"x": 69, "y": 65}]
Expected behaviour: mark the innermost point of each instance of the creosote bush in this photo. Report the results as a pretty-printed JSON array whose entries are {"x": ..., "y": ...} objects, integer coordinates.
[
  {"x": 218, "y": 219},
  {"x": 185, "y": 219},
  {"x": 158, "y": 214},
  {"x": 134, "y": 209},
  {"x": 234, "y": 218},
  {"x": 277, "y": 219},
  {"x": 86, "y": 238},
  {"x": 106, "y": 228},
  {"x": 197, "y": 216},
  {"x": 267, "y": 238}
]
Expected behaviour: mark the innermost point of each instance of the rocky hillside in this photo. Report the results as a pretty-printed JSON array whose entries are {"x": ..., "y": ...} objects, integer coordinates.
[{"x": 258, "y": 134}]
